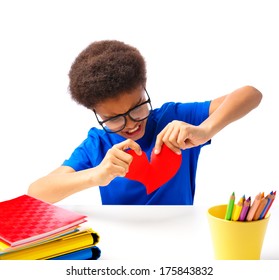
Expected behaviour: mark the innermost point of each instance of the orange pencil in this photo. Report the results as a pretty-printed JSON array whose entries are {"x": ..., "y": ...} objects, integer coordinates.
[
  {"x": 237, "y": 209},
  {"x": 254, "y": 207},
  {"x": 260, "y": 208}
]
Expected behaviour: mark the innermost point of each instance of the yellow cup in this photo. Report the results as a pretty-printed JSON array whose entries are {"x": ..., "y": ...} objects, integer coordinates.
[{"x": 235, "y": 240}]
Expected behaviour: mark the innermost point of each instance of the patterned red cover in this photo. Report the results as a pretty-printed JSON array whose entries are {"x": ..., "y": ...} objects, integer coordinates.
[{"x": 25, "y": 218}]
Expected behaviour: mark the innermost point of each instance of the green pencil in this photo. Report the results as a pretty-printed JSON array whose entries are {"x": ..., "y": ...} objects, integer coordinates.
[{"x": 230, "y": 206}]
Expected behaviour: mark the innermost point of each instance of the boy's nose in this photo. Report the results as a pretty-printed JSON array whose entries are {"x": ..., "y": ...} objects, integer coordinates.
[{"x": 129, "y": 122}]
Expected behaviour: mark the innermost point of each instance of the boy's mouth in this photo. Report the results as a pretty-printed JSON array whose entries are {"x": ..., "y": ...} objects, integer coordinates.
[
  {"x": 131, "y": 131},
  {"x": 134, "y": 131}
]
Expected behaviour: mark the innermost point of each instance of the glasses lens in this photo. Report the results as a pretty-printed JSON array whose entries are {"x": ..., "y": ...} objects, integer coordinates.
[
  {"x": 141, "y": 112},
  {"x": 115, "y": 124}
]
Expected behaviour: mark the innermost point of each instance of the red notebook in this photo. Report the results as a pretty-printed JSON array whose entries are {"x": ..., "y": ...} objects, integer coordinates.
[{"x": 25, "y": 218}]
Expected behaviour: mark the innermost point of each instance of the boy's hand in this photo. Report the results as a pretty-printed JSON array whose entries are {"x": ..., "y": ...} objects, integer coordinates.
[
  {"x": 178, "y": 135},
  {"x": 117, "y": 161}
]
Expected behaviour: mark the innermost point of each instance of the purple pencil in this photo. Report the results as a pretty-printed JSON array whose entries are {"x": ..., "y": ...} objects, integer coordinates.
[{"x": 245, "y": 208}]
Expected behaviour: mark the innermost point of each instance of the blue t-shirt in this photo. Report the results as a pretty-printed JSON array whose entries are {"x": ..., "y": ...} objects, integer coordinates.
[{"x": 180, "y": 190}]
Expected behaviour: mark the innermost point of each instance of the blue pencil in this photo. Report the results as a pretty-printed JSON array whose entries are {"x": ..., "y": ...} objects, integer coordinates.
[{"x": 262, "y": 215}]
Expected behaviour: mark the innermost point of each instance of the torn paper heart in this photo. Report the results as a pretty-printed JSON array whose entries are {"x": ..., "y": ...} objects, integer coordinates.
[{"x": 157, "y": 172}]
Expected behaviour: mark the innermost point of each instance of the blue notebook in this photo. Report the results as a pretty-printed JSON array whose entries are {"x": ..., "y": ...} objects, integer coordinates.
[{"x": 92, "y": 253}]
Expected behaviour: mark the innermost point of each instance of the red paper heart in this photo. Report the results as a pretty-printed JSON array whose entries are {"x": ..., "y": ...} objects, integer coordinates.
[{"x": 156, "y": 173}]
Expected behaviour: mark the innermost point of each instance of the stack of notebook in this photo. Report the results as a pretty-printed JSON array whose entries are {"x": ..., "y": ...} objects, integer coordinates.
[{"x": 31, "y": 229}]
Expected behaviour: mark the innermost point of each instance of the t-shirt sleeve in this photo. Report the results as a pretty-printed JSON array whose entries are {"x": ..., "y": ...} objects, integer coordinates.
[
  {"x": 83, "y": 157},
  {"x": 194, "y": 113},
  {"x": 78, "y": 160}
]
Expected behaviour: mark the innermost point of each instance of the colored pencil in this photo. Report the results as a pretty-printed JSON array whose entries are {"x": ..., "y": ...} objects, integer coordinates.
[
  {"x": 273, "y": 195},
  {"x": 259, "y": 210},
  {"x": 254, "y": 207},
  {"x": 269, "y": 197},
  {"x": 237, "y": 209},
  {"x": 230, "y": 207},
  {"x": 245, "y": 209}
]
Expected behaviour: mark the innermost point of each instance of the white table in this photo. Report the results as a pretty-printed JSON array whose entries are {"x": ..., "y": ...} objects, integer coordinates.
[{"x": 161, "y": 232}]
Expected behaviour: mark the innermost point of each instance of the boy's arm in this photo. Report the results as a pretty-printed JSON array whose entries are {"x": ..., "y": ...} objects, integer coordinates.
[
  {"x": 229, "y": 108},
  {"x": 61, "y": 183},
  {"x": 65, "y": 181},
  {"x": 224, "y": 110}
]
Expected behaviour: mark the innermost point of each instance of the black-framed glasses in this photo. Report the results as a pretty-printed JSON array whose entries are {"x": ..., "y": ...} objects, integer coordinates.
[{"x": 118, "y": 122}]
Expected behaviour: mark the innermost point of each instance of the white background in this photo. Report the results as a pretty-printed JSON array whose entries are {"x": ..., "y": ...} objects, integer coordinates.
[{"x": 195, "y": 51}]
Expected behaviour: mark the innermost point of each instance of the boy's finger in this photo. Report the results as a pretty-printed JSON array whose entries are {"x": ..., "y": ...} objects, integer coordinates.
[
  {"x": 158, "y": 145},
  {"x": 174, "y": 148},
  {"x": 130, "y": 144},
  {"x": 160, "y": 139}
]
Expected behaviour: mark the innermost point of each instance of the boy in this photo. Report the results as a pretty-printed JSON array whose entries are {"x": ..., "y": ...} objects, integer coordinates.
[{"x": 109, "y": 78}]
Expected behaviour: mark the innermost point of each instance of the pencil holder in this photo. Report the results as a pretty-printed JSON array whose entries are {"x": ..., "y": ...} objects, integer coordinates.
[{"x": 235, "y": 240}]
